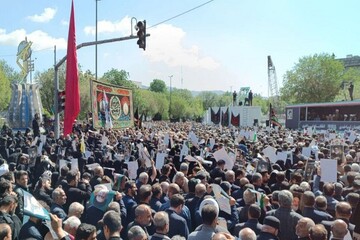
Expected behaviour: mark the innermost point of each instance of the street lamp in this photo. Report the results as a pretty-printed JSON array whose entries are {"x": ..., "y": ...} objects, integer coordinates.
[
  {"x": 96, "y": 37},
  {"x": 170, "y": 77}
]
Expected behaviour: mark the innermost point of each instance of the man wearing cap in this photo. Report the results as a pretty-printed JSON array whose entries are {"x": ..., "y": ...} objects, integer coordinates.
[{"x": 270, "y": 229}]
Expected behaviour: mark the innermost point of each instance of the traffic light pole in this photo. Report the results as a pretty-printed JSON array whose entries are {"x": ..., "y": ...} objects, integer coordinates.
[{"x": 56, "y": 69}]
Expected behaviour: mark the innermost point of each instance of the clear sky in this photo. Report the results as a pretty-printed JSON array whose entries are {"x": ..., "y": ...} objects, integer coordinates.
[{"x": 222, "y": 45}]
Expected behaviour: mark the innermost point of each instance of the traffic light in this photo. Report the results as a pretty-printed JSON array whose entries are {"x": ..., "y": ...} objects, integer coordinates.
[
  {"x": 61, "y": 101},
  {"x": 141, "y": 32}
]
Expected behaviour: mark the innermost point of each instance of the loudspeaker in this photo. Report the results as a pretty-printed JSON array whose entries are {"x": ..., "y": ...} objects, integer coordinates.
[
  {"x": 240, "y": 103},
  {"x": 267, "y": 123},
  {"x": 256, "y": 122}
]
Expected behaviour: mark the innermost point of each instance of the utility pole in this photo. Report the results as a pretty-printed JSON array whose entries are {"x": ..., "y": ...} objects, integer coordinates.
[
  {"x": 56, "y": 69},
  {"x": 170, "y": 77},
  {"x": 96, "y": 36}
]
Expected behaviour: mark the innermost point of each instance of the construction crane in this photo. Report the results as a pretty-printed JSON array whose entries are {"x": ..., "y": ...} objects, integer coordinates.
[{"x": 273, "y": 89}]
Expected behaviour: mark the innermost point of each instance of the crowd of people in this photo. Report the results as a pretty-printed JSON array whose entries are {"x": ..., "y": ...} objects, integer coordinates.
[{"x": 85, "y": 182}]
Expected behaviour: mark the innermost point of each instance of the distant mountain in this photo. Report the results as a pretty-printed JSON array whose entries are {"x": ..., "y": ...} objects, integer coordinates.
[{"x": 218, "y": 92}]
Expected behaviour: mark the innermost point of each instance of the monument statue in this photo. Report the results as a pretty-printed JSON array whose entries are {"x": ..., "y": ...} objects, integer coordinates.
[
  {"x": 24, "y": 55},
  {"x": 25, "y": 98}
]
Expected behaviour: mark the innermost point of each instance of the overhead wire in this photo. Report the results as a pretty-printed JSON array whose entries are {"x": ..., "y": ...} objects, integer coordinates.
[
  {"x": 180, "y": 14},
  {"x": 166, "y": 20}
]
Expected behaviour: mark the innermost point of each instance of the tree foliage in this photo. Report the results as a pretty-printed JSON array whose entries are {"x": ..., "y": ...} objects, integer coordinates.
[
  {"x": 313, "y": 79},
  {"x": 7, "y": 76},
  {"x": 118, "y": 78},
  {"x": 158, "y": 85},
  {"x": 5, "y": 90},
  {"x": 350, "y": 75}
]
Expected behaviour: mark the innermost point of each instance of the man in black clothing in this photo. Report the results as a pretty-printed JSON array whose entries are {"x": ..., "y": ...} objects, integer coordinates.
[
  {"x": 250, "y": 97},
  {"x": 143, "y": 218},
  {"x": 161, "y": 222},
  {"x": 177, "y": 225},
  {"x": 7, "y": 208},
  {"x": 254, "y": 213},
  {"x": 112, "y": 225},
  {"x": 351, "y": 91},
  {"x": 270, "y": 229},
  {"x": 21, "y": 179},
  {"x": 36, "y": 125},
  {"x": 73, "y": 193}
]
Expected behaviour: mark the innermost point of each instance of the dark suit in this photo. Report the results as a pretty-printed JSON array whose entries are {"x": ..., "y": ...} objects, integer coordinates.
[
  {"x": 266, "y": 236},
  {"x": 177, "y": 225},
  {"x": 130, "y": 205},
  {"x": 250, "y": 223},
  {"x": 158, "y": 236},
  {"x": 192, "y": 204},
  {"x": 316, "y": 215},
  {"x": 288, "y": 220},
  {"x": 58, "y": 211}
]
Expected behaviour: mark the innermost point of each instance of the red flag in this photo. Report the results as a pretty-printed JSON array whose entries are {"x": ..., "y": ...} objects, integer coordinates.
[{"x": 72, "y": 103}]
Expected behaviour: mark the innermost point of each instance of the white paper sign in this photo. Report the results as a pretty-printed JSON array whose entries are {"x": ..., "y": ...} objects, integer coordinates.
[
  {"x": 74, "y": 164},
  {"x": 87, "y": 154},
  {"x": 166, "y": 139},
  {"x": 132, "y": 169},
  {"x": 282, "y": 156},
  {"x": 221, "y": 198},
  {"x": 212, "y": 143},
  {"x": 160, "y": 160},
  {"x": 352, "y": 137},
  {"x": 306, "y": 151},
  {"x": 184, "y": 151},
  {"x": 270, "y": 152},
  {"x": 222, "y": 155},
  {"x": 328, "y": 170}
]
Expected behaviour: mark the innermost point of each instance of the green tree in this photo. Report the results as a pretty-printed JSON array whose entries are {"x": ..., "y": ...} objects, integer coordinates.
[
  {"x": 9, "y": 72},
  {"x": 224, "y": 99},
  {"x": 4, "y": 90},
  {"x": 85, "y": 99},
  {"x": 350, "y": 75},
  {"x": 258, "y": 100},
  {"x": 46, "y": 81},
  {"x": 209, "y": 99},
  {"x": 158, "y": 85},
  {"x": 313, "y": 79},
  {"x": 118, "y": 78}
]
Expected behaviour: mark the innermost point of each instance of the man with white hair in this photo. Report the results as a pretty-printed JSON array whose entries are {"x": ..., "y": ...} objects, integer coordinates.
[
  {"x": 71, "y": 225},
  {"x": 142, "y": 180},
  {"x": 303, "y": 227},
  {"x": 76, "y": 209},
  {"x": 247, "y": 234},
  {"x": 288, "y": 218},
  {"x": 137, "y": 233},
  {"x": 181, "y": 181},
  {"x": 161, "y": 222},
  {"x": 249, "y": 198}
]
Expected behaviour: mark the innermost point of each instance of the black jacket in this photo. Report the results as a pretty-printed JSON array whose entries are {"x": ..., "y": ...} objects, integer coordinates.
[{"x": 266, "y": 236}]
